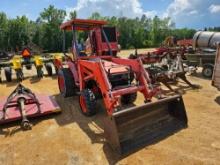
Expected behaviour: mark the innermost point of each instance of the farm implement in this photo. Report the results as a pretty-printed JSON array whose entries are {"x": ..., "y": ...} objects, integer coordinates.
[
  {"x": 165, "y": 65},
  {"x": 22, "y": 104},
  {"x": 99, "y": 74},
  {"x": 27, "y": 60}
]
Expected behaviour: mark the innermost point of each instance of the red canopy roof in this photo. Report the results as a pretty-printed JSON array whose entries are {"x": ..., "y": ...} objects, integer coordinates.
[{"x": 82, "y": 24}]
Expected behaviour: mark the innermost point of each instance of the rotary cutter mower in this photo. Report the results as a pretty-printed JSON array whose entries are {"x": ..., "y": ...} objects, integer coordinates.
[{"x": 22, "y": 104}]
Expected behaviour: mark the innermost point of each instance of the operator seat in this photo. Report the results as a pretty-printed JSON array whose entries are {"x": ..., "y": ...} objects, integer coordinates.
[{"x": 82, "y": 51}]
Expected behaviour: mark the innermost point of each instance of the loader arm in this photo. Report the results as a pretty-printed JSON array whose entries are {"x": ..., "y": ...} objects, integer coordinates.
[
  {"x": 94, "y": 69},
  {"x": 142, "y": 76}
]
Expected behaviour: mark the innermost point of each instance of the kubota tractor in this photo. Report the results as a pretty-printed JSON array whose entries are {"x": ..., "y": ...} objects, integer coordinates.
[{"x": 99, "y": 73}]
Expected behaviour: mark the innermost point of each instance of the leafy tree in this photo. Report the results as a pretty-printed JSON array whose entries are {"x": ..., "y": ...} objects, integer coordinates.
[
  {"x": 45, "y": 32},
  {"x": 215, "y": 29},
  {"x": 97, "y": 16},
  {"x": 3, "y": 31},
  {"x": 52, "y": 35},
  {"x": 73, "y": 15},
  {"x": 18, "y": 33}
]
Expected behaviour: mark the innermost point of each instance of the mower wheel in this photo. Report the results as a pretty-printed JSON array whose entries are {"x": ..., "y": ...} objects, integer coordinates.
[
  {"x": 132, "y": 56},
  {"x": 87, "y": 102},
  {"x": 207, "y": 71},
  {"x": 129, "y": 98},
  {"x": 49, "y": 69},
  {"x": 28, "y": 66},
  {"x": 8, "y": 74},
  {"x": 19, "y": 75},
  {"x": 40, "y": 72},
  {"x": 66, "y": 82},
  {"x": 26, "y": 125}
]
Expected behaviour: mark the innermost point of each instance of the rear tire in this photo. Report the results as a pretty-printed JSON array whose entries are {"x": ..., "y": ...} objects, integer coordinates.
[
  {"x": 8, "y": 74},
  {"x": 207, "y": 71},
  {"x": 87, "y": 102},
  {"x": 129, "y": 98},
  {"x": 66, "y": 82},
  {"x": 49, "y": 69}
]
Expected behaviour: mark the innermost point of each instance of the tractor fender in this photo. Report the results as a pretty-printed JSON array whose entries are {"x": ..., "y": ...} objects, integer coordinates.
[
  {"x": 57, "y": 63},
  {"x": 74, "y": 71}
]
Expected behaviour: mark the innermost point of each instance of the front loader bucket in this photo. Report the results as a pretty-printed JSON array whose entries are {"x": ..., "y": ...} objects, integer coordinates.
[{"x": 134, "y": 127}]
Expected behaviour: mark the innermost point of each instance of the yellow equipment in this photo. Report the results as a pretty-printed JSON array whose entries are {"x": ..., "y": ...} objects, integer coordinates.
[{"x": 16, "y": 62}]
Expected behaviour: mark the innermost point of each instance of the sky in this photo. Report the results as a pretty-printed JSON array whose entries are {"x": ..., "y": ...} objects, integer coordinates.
[{"x": 185, "y": 13}]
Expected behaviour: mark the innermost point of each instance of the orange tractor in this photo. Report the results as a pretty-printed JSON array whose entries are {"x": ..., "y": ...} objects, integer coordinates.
[{"x": 100, "y": 74}]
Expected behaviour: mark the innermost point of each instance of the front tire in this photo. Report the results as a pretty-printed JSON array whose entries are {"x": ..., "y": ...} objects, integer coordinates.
[{"x": 87, "y": 102}]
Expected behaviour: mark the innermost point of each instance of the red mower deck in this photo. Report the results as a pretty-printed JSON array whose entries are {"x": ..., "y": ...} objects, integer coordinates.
[{"x": 48, "y": 105}]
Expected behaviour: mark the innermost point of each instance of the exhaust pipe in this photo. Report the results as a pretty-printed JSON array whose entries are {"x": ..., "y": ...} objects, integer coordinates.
[{"x": 134, "y": 127}]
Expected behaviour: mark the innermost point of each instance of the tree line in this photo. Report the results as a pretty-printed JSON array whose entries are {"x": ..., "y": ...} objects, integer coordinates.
[{"x": 140, "y": 32}]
